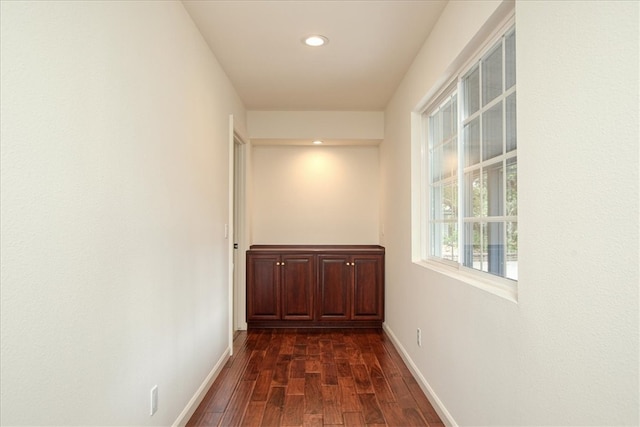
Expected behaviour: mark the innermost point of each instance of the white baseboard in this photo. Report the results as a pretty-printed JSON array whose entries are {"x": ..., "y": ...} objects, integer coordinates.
[
  {"x": 191, "y": 407},
  {"x": 437, "y": 404}
]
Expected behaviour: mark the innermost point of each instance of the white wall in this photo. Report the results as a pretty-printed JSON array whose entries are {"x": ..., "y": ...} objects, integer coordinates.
[
  {"x": 114, "y": 199},
  {"x": 315, "y": 195},
  {"x": 567, "y": 352}
]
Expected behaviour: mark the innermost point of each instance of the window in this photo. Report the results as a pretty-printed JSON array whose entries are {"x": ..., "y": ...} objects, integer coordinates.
[{"x": 471, "y": 167}]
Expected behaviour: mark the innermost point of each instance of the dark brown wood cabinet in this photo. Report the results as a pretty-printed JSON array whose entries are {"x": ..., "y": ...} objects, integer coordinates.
[
  {"x": 280, "y": 286},
  {"x": 315, "y": 286},
  {"x": 368, "y": 296},
  {"x": 334, "y": 287},
  {"x": 263, "y": 290},
  {"x": 297, "y": 282}
]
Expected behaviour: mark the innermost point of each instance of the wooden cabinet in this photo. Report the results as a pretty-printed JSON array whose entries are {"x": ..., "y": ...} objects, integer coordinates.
[
  {"x": 315, "y": 286},
  {"x": 280, "y": 286},
  {"x": 334, "y": 287},
  {"x": 368, "y": 290},
  {"x": 297, "y": 284},
  {"x": 263, "y": 290},
  {"x": 350, "y": 287}
]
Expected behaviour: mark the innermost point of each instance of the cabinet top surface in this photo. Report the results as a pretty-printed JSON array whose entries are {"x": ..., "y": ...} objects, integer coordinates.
[{"x": 316, "y": 248}]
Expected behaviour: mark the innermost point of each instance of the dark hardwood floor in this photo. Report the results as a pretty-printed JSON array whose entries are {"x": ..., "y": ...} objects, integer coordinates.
[{"x": 315, "y": 377}]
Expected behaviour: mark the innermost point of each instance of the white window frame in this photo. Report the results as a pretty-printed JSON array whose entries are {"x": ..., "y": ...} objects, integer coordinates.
[{"x": 449, "y": 84}]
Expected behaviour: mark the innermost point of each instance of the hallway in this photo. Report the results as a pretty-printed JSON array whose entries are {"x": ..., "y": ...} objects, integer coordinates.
[{"x": 295, "y": 377}]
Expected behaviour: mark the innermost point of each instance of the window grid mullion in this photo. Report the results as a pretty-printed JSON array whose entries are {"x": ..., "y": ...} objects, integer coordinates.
[
  {"x": 425, "y": 152},
  {"x": 489, "y": 105},
  {"x": 482, "y": 183},
  {"x": 487, "y": 219},
  {"x": 460, "y": 175},
  {"x": 503, "y": 41}
]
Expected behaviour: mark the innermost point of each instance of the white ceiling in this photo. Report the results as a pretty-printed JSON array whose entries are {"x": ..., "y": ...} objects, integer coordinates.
[{"x": 371, "y": 46}]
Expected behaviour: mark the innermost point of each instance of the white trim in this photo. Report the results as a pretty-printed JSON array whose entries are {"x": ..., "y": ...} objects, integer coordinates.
[
  {"x": 498, "y": 286},
  {"x": 235, "y": 133},
  {"x": 197, "y": 398},
  {"x": 441, "y": 96},
  {"x": 241, "y": 231},
  {"x": 418, "y": 175},
  {"x": 229, "y": 230},
  {"x": 437, "y": 404}
]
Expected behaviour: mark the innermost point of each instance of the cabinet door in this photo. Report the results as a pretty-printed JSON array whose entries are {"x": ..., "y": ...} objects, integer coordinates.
[
  {"x": 298, "y": 278},
  {"x": 368, "y": 288},
  {"x": 334, "y": 283},
  {"x": 263, "y": 287}
]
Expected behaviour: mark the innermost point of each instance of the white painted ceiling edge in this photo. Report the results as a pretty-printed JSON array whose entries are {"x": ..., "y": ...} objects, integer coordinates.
[
  {"x": 302, "y": 127},
  {"x": 309, "y": 141}
]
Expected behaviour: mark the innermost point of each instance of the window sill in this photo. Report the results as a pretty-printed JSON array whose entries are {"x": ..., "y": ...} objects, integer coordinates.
[{"x": 497, "y": 286}]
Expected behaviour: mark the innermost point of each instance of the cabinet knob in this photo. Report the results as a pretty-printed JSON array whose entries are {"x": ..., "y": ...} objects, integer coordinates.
[
  {"x": 282, "y": 263},
  {"x": 277, "y": 263}
]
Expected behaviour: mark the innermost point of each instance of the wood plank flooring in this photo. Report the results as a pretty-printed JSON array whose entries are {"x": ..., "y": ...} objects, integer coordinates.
[{"x": 315, "y": 377}]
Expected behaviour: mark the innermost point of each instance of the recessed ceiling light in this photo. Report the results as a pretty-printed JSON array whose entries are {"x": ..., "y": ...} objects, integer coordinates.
[
  {"x": 315, "y": 40},
  {"x": 317, "y": 142}
]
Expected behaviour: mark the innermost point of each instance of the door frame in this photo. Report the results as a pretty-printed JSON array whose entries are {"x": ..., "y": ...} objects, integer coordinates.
[{"x": 237, "y": 228}]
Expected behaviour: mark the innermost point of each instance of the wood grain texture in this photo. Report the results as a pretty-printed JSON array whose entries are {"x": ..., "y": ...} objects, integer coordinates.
[{"x": 315, "y": 377}]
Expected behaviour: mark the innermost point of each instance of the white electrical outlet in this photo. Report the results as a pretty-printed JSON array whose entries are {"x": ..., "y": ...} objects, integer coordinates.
[
  {"x": 154, "y": 400},
  {"x": 419, "y": 337}
]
